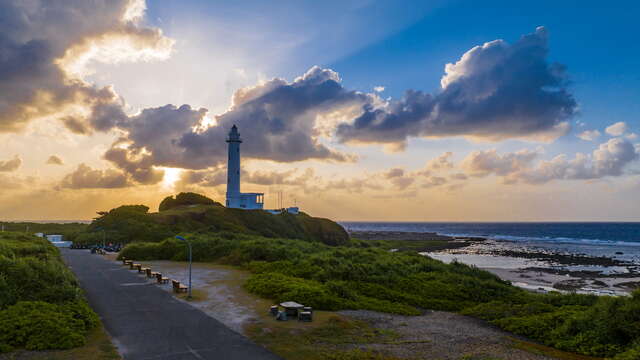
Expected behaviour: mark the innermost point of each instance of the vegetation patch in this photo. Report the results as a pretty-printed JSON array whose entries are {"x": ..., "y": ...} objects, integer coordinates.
[
  {"x": 41, "y": 305},
  {"x": 337, "y": 338},
  {"x": 196, "y": 213},
  {"x": 362, "y": 275}
]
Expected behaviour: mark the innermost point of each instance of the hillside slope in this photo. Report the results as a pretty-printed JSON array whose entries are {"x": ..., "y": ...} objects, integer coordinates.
[
  {"x": 134, "y": 223},
  {"x": 216, "y": 218}
]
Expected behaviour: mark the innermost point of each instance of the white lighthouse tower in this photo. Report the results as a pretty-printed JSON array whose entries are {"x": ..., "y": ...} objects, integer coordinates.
[{"x": 236, "y": 199}]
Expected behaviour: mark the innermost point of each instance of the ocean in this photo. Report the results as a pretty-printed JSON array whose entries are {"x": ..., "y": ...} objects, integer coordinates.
[
  {"x": 591, "y": 238},
  {"x": 614, "y": 233}
]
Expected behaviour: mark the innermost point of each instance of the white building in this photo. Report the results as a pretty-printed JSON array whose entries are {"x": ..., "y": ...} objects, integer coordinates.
[
  {"x": 54, "y": 238},
  {"x": 236, "y": 199}
]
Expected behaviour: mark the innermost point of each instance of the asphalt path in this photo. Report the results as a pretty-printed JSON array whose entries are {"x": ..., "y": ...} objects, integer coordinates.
[{"x": 146, "y": 322}]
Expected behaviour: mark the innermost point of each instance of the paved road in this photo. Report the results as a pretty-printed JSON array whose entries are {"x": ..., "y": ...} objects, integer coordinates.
[{"x": 147, "y": 322}]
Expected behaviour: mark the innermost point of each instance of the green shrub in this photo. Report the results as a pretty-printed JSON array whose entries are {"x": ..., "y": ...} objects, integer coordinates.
[
  {"x": 182, "y": 199},
  {"x": 41, "y": 305},
  {"x": 37, "y": 325}
]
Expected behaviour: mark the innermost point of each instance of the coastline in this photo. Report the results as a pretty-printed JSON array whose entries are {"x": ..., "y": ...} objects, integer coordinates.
[{"x": 529, "y": 265}]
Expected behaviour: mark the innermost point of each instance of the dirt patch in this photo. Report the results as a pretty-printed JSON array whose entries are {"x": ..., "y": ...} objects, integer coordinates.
[{"x": 443, "y": 335}]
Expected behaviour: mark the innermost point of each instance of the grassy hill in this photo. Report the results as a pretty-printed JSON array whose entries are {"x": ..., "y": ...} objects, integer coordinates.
[
  {"x": 217, "y": 218},
  {"x": 130, "y": 223}
]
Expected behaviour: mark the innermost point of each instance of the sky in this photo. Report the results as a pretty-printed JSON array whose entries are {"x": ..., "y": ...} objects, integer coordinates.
[{"x": 353, "y": 110}]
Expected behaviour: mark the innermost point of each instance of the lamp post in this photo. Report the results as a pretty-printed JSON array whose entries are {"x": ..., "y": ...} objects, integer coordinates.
[{"x": 190, "y": 260}]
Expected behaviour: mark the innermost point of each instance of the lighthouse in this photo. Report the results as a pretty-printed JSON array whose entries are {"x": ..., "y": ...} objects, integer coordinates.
[{"x": 236, "y": 199}]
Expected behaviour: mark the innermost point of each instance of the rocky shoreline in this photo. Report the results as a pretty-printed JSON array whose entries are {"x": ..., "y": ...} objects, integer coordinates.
[{"x": 531, "y": 267}]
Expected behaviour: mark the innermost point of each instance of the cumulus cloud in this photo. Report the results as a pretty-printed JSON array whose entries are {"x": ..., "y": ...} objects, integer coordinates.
[
  {"x": 617, "y": 129},
  {"x": 434, "y": 181},
  {"x": 85, "y": 177},
  {"x": 589, "y": 135},
  {"x": 11, "y": 165},
  {"x": 378, "y": 88},
  {"x": 276, "y": 118},
  {"x": 442, "y": 162},
  {"x": 482, "y": 163},
  {"x": 46, "y": 47},
  {"x": 54, "y": 160},
  {"x": 495, "y": 91},
  {"x": 399, "y": 178},
  {"x": 609, "y": 159}
]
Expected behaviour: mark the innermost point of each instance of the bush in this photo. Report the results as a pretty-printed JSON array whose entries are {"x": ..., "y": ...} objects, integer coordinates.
[
  {"x": 182, "y": 199},
  {"x": 37, "y": 325},
  {"x": 41, "y": 306}
]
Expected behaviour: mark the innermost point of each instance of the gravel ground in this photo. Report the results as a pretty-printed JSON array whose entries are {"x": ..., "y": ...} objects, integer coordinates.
[{"x": 442, "y": 335}]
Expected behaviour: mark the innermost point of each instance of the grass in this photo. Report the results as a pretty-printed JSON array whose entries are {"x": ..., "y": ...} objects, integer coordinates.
[
  {"x": 196, "y": 295},
  {"x": 98, "y": 347},
  {"x": 548, "y": 351},
  {"x": 331, "y": 337}
]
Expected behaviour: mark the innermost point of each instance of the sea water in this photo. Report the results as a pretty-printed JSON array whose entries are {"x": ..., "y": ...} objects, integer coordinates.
[{"x": 612, "y": 239}]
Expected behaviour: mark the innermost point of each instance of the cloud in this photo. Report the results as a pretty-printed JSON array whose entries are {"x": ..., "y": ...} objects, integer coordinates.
[
  {"x": 481, "y": 163},
  {"x": 394, "y": 173},
  {"x": 609, "y": 159},
  {"x": 10, "y": 165},
  {"x": 218, "y": 176},
  {"x": 617, "y": 129},
  {"x": 85, "y": 177},
  {"x": 434, "y": 181},
  {"x": 378, "y": 89},
  {"x": 277, "y": 119},
  {"x": 47, "y": 47},
  {"x": 442, "y": 162},
  {"x": 589, "y": 135},
  {"x": 399, "y": 178},
  {"x": 495, "y": 91},
  {"x": 54, "y": 160}
]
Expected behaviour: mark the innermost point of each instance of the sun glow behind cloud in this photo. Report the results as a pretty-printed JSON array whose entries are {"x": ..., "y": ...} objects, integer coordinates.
[{"x": 171, "y": 176}]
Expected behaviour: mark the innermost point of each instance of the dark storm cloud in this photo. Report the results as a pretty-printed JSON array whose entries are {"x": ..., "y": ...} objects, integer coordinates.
[
  {"x": 35, "y": 36},
  {"x": 277, "y": 119},
  {"x": 495, "y": 91}
]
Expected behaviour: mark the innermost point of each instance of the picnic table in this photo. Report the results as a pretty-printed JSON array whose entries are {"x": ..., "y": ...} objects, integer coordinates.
[{"x": 292, "y": 308}]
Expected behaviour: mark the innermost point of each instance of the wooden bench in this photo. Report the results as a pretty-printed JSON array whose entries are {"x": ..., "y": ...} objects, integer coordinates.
[
  {"x": 124, "y": 261},
  {"x": 137, "y": 267},
  {"x": 143, "y": 270},
  {"x": 132, "y": 265},
  {"x": 128, "y": 262},
  {"x": 161, "y": 279},
  {"x": 177, "y": 287}
]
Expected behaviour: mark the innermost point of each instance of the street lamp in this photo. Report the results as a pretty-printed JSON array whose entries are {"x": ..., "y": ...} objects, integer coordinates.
[{"x": 190, "y": 260}]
